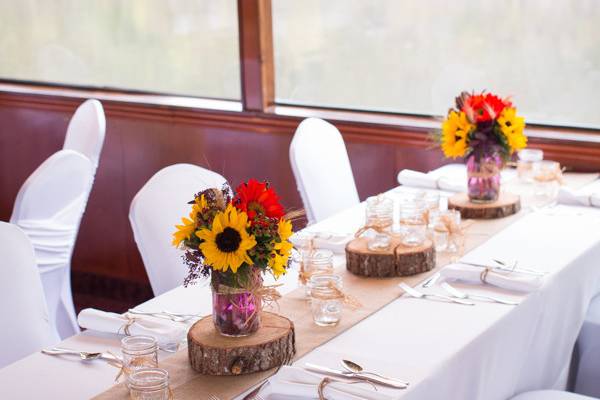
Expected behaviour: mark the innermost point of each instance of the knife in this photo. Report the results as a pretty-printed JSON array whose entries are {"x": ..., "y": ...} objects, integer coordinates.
[{"x": 352, "y": 375}]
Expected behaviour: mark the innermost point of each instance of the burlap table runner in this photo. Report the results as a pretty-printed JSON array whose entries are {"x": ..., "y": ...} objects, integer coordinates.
[{"x": 373, "y": 293}]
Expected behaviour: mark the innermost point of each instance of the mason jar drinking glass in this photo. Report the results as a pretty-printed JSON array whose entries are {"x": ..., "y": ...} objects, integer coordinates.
[
  {"x": 139, "y": 351},
  {"x": 379, "y": 214},
  {"x": 319, "y": 262},
  {"x": 446, "y": 231},
  {"x": 413, "y": 226},
  {"x": 527, "y": 158},
  {"x": 547, "y": 176},
  {"x": 149, "y": 384},
  {"x": 326, "y": 300}
]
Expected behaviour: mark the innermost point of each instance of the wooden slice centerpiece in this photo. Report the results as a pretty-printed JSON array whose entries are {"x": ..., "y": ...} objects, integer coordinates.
[
  {"x": 507, "y": 204},
  {"x": 211, "y": 353},
  {"x": 397, "y": 260}
]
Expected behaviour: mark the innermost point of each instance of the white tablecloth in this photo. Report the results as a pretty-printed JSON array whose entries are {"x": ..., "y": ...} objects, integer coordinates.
[{"x": 489, "y": 351}]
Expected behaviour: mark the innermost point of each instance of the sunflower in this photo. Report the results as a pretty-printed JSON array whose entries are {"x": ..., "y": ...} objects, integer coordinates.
[
  {"x": 187, "y": 229},
  {"x": 512, "y": 126},
  {"x": 256, "y": 197},
  {"x": 281, "y": 250},
  {"x": 226, "y": 245},
  {"x": 455, "y": 130}
]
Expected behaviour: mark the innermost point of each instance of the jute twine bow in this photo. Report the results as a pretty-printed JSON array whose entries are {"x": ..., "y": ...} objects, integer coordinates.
[
  {"x": 380, "y": 228},
  {"x": 550, "y": 176},
  {"x": 327, "y": 380},
  {"x": 127, "y": 325},
  {"x": 332, "y": 292},
  {"x": 134, "y": 364},
  {"x": 456, "y": 232},
  {"x": 487, "y": 170},
  {"x": 484, "y": 274},
  {"x": 303, "y": 274}
]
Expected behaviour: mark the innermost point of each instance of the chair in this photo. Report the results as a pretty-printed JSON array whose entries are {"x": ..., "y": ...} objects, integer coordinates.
[
  {"x": 322, "y": 169},
  {"x": 550, "y": 395},
  {"x": 86, "y": 130},
  {"x": 586, "y": 358},
  {"x": 23, "y": 314},
  {"x": 49, "y": 208},
  {"x": 156, "y": 209}
]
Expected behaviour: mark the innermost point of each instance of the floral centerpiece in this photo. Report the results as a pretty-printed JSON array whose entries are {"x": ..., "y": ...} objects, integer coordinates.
[
  {"x": 235, "y": 239},
  {"x": 486, "y": 130}
]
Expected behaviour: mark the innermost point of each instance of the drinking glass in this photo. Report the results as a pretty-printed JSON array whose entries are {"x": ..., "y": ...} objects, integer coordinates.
[
  {"x": 528, "y": 157},
  {"x": 139, "y": 351},
  {"x": 413, "y": 226},
  {"x": 546, "y": 178},
  {"x": 380, "y": 214},
  {"x": 149, "y": 384},
  {"x": 325, "y": 299}
]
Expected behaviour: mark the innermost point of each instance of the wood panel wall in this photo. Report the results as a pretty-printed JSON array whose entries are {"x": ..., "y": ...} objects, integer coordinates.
[{"x": 141, "y": 140}]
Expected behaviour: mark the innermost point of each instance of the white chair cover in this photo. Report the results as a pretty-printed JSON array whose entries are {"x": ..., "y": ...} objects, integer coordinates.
[
  {"x": 86, "y": 130},
  {"x": 322, "y": 169},
  {"x": 550, "y": 395},
  {"x": 587, "y": 353},
  {"x": 49, "y": 208},
  {"x": 23, "y": 315},
  {"x": 156, "y": 209}
]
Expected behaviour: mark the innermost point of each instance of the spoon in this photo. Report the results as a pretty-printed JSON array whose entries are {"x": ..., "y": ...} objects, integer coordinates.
[
  {"x": 357, "y": 369},
  {"x": 84, "y": 355}
]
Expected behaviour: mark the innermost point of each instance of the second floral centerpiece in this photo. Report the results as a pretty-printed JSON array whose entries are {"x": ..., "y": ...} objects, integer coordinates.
[
  {"x": 486, "y": 130},
  {"x": 236, "y": 238}
]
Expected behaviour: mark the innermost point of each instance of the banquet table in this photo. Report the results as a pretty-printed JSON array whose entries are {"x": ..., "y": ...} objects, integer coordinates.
[{"x": 488, "y": 351}]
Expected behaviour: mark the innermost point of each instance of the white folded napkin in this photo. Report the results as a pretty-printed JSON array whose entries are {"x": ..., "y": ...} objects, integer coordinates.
[
  {"x": 335, "y": 242},
  {"x": 298, "y": 383},
  {"x": 587, "y": 196},
  {"x": 505, "y": 280},
  {"x": 165, "y": 332},
  {"x": 412, "y": 178}
]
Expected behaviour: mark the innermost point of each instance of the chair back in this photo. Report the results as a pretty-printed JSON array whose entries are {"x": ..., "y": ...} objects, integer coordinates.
[
  {"x": 86, "y": 130},
  {"x": 23, "y": 314},
  {"x": 49, "y": 208},
  {"x": 156, "y": 209},
  {"x": 322, "y": 169}
]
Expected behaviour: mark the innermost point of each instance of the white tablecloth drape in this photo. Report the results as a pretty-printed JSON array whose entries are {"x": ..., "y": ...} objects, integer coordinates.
[{"x": 489, "y": 351}]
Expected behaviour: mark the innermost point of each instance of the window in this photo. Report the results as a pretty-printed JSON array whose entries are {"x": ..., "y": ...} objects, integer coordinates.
[
  {"x": 186, "y": 47},
  {"x": 415, "y": 56}
]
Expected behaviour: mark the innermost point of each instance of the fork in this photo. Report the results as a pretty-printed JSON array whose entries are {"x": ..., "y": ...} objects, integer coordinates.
[
  {"x": 462, "y": 295},
  {"x": 415, "y": 293},
  {"x": 213, "y": 397},
  {"x": 164, "y": 314}
]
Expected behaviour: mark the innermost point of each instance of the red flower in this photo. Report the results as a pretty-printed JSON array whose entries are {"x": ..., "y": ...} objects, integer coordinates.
[
  {"x": 255, "y": 198},
  {"x": 481, "y": 108}
]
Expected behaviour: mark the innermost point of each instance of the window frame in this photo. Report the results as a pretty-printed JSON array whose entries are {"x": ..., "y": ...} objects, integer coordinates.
[{"x": 257, "y": 75}]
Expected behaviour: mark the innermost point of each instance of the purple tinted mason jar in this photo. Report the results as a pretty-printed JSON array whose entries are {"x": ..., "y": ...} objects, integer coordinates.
[
  {"x": 483, "y": 174},
  {"x": 236, "y": 311}
]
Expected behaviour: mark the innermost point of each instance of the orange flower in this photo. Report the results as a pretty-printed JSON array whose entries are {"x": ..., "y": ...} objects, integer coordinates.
[
  {"x": 481, "y": 108},
  {"x": 256, "y": 198}
]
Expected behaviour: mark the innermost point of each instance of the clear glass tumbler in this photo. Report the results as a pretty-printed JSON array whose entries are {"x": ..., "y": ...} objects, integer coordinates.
[
  {"x": 139, "y": 352},
  {"x": 325, "y": 299},
  {"x": 413, "y": 225},
  {"x": 528, "y": 157},
  {"x": 319, "y": 262},
  {"x": 379, "y": 214},
  {"x": 547, "y": 176},
  {"x": 149, "y": 384},
  {"x": 446, "y": 231}
]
